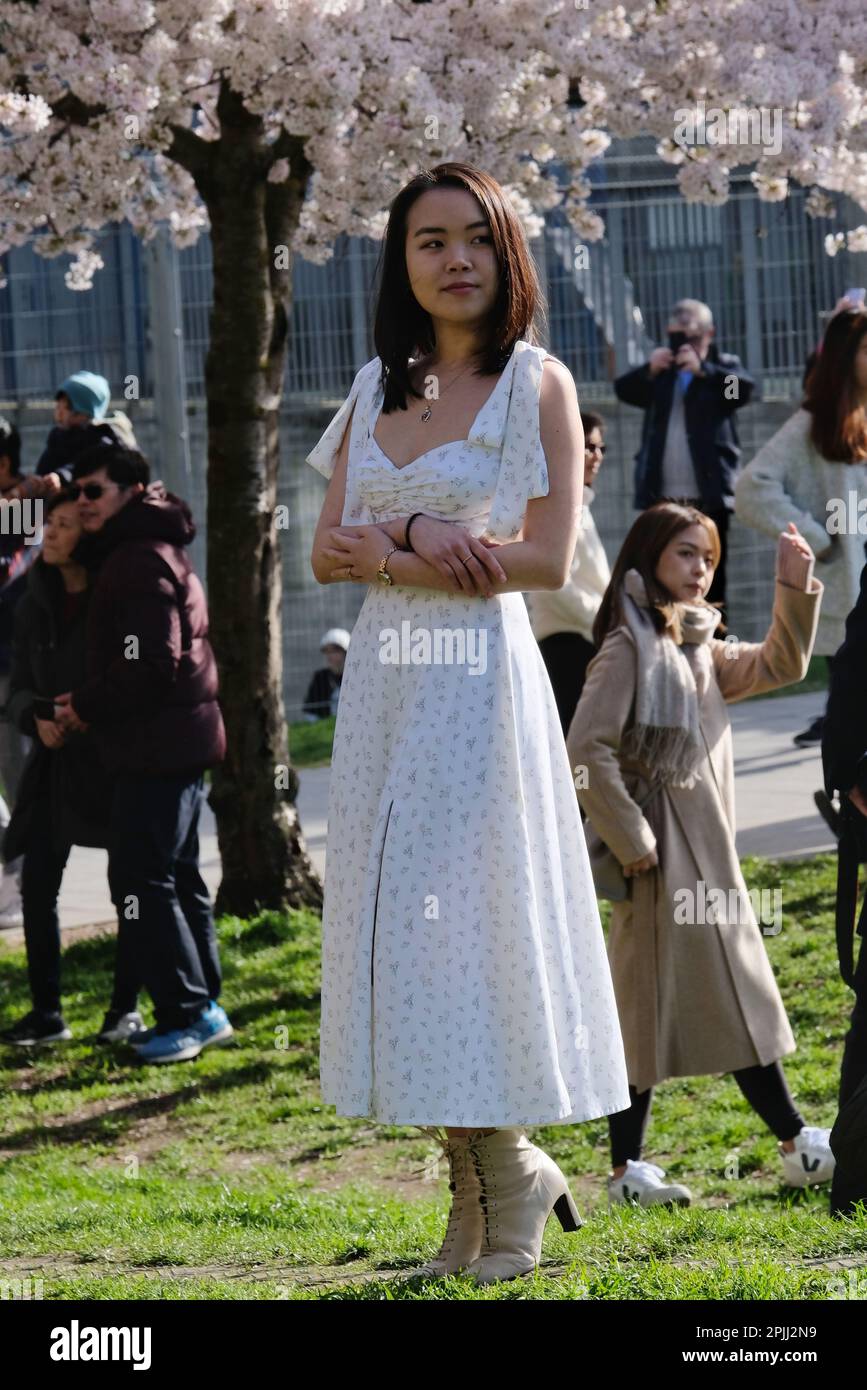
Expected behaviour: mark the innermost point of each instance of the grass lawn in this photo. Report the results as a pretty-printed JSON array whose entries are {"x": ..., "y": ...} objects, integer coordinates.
[
  {"x": 310, "y": 744},
  {"x": 227, "y": 1178}
]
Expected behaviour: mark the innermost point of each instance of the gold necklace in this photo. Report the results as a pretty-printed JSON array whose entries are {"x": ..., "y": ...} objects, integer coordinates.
[{"x": 426, "y": 414}]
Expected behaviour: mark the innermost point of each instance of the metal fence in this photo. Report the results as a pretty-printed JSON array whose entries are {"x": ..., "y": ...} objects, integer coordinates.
[{"x": 761, "y": 267}]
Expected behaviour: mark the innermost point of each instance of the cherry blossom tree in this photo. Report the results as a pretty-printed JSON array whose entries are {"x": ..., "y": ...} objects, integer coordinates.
[{"x": 278, "y": 124}]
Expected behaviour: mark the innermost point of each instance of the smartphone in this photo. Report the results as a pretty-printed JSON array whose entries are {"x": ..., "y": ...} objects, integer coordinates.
[
  {"x": 855, "y": 296},
  {"x": 676, "y": 341},
  {"x": 42, "y": 708}
]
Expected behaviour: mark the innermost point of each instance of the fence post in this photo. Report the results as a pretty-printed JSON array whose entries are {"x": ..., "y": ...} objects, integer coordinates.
[{"x": 166, "y": 341}]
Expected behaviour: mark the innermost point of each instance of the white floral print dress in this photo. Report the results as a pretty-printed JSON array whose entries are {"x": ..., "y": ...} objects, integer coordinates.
[{"x": 464, "y": 974}]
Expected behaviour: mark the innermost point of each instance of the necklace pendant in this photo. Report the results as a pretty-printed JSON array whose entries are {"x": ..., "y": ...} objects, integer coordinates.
[{"x": 426, "y": 414}]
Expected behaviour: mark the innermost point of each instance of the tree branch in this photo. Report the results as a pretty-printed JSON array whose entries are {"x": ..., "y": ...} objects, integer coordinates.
[{"x": 188, "y": 150}]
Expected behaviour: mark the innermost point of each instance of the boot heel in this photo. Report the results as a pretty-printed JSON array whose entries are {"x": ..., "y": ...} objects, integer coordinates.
[{"x": 567, "y": 1213}]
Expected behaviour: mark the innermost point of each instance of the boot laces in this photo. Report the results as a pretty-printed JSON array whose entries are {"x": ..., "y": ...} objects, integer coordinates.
[
  {"x": 454, "y": 1150},
  {"x": 488, "y": 1193}
]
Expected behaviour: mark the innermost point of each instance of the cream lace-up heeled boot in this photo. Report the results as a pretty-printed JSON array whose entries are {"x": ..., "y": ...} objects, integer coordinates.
[
  {"x": 520, "y": 1186},
  {"x": 463, "y": 1238}
]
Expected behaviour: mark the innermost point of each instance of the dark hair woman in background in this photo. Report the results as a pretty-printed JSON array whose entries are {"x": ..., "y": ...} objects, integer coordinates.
[
  {"x": 813, "y": 471},
  {"x": 64, "y": 796}
]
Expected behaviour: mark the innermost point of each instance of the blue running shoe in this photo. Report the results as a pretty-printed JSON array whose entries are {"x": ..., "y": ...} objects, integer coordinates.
[
  {"x": 216, "y": 1030},
  {"x": 179, "y": 1045},
  {"x": 213, "y": 1025}
]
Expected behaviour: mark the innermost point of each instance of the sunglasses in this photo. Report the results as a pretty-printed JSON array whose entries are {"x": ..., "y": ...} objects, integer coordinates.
[{"x": 92, "y": 491}]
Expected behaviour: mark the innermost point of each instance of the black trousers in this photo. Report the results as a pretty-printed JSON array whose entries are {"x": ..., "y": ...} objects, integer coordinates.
[
  {"x": 567, "y": 656},
  {"x": 764, "y": 1087},
  {"x": 845, "y": 1190},
  {"x": 41, "y": 877},
  {"x": 165, "y": 917}
]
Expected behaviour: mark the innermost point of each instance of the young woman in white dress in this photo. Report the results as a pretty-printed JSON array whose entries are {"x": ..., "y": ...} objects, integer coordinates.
[{"x": 465, "y": 981}]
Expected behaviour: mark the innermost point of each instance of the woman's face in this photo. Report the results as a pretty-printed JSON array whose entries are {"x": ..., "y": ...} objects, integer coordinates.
[
  {"x": 61, "y": 534},
  {"x": 448, "y": 242},
  {"x": 685, "y": 567},
  {"x": 594, "y": 451}
]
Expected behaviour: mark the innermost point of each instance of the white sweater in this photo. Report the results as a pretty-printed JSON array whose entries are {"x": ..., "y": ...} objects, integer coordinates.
[
  {"x": 789, "y": 480},
  {"x": 574, "y": 607}
]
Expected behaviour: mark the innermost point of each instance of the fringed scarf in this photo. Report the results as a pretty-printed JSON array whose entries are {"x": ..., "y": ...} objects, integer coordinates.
[{"x": 666, "y": 734}]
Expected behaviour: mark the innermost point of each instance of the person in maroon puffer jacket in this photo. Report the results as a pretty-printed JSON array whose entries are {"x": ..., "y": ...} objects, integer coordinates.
[{"x": 150, "y": 699}]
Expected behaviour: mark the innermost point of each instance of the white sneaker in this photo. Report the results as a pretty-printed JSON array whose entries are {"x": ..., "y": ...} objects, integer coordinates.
[
  {"x": 811, "y": 1160},
  {"x": 118, "y": 1027},
  {"x": 11, "y": 917},
  {"x": 640, "y": 1183}
]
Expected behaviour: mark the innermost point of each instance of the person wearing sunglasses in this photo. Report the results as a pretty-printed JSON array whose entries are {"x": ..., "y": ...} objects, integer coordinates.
[
  {"x": 154, "y": 712},
  {"x": 562, "y": 619}
]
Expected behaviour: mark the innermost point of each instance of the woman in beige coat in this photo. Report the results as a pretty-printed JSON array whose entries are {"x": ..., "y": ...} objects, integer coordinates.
[{"x": 651, "y": 751}]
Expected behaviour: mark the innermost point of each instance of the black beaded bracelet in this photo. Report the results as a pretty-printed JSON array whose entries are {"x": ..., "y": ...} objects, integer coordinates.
[{"x": 406, "y": 533}]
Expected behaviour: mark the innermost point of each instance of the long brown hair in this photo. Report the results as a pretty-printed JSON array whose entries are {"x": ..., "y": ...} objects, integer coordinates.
[
  {"x": 839, "y": 425},
  {"x": 648, "y": 536},
  {"x": 403, "y": 329}
]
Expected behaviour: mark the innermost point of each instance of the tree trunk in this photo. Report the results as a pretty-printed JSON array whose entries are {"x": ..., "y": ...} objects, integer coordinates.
[{"x": 265, "y": 862}]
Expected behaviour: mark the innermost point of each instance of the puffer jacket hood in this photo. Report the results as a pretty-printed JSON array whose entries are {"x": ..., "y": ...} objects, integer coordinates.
[
  {"x": 158, "y": 714},
  {"x": 154, "y": 514}
]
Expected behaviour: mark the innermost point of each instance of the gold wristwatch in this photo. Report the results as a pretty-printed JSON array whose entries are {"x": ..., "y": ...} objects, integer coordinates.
[{"x": 382, "y": 573}]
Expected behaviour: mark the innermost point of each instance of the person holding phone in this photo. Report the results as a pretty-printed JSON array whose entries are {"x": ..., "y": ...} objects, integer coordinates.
[
  {"x": 65, "y": 794},
  {"x": 689, "y": 392}
]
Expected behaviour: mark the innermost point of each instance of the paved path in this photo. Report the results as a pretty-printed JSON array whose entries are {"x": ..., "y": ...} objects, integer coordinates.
[
  {"x": 775, "y": 781},
  {"x": 774, "y": 788}
]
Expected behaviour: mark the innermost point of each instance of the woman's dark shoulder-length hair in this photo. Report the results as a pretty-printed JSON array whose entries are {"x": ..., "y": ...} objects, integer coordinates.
[
  {"x": 838, "y": 428},
  {"x": 645, "y": 541},
  {"x": 57, "y": 499},
  {"x": 403, "y": 329}
]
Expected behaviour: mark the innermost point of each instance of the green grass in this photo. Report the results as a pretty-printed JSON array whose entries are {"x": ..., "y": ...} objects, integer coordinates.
[
  {"x": 310, "y": 744},
  {"x": 228, "y": 1178}
]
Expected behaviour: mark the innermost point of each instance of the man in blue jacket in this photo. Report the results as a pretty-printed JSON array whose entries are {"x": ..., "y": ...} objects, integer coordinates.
[{"x": 689, "y": 392}]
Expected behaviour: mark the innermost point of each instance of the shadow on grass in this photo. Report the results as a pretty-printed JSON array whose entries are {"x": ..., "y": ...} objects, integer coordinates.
[{"x": 111, "y": 1122}]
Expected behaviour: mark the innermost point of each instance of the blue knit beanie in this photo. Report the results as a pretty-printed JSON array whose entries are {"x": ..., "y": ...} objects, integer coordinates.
[{"x": 87, "y": 393}]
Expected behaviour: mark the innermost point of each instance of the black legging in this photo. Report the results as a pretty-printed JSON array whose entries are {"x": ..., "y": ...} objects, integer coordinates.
[
  {"x": 567, "y": 656},
  {"x": 764, "y": 1087}
]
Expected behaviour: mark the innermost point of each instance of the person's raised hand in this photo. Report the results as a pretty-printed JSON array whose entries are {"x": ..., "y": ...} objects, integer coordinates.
[
  {"x": 688, "y": 357},
  {"x": 795, "y": 559},
  {"x": 660, "y": 360}
]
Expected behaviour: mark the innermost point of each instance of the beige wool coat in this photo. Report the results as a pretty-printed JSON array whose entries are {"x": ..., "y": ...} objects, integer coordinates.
[{"x": 693, "y": 997}]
